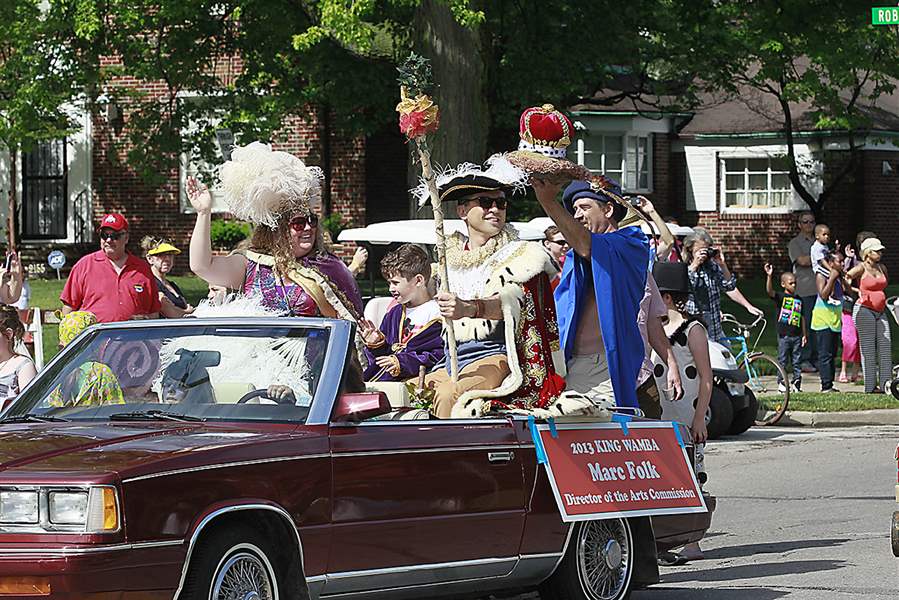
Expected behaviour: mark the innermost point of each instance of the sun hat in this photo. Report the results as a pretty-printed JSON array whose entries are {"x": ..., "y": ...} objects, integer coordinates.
[
  {"x": 871, "y": 245},
  {"x": 163, "y": 248}
]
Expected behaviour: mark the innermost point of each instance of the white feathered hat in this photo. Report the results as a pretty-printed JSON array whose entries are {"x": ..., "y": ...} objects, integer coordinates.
[
  {"x": 467, "y": 178},
  {"x": 261, "y": 184}
]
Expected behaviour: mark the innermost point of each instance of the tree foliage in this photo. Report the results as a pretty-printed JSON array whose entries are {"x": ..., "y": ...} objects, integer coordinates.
[{"x": 819, "y": 54}]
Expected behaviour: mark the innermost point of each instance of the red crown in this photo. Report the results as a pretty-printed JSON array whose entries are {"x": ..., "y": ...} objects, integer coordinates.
[{"x": 544, "y": 129}]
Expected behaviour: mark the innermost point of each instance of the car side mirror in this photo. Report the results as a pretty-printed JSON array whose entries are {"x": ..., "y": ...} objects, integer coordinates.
[{"x": 355, "y": 407}]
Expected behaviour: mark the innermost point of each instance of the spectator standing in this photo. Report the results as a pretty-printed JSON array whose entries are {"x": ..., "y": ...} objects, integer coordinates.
[
  {"x": 16, "y": 370},
  {"x": 792, "y": 333},
  {"x": 161, "y": 255},
  {"x": 827, "y": 320},
  {"x": 870, "y": 316},
  {"x": 112, "y": 283},
  {"x": 852, "y": 357},
  {"x": 709, "y": 277},
  {"x": 558, "y": 248},
  {"x": 800, "y": 250}
]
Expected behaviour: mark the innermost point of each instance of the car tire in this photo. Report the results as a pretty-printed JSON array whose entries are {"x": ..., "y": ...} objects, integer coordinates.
[
  {"x": 234, "y": 561},
  {"x": 607, "y": 544},
  {"x": 719, "y": 415},
  {"x": 894, "y": 388},
  {"x": 894, "y": 534},
  {"x": 745, "y": 417}
]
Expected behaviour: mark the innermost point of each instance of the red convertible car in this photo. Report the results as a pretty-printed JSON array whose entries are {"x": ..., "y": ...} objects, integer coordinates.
[{"x": 239, "y": 459}]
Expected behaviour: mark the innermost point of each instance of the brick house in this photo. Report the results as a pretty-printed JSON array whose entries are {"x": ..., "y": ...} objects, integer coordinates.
[
  {"x": 721, "y": 167},
  {"x": 65, "y": 186}
]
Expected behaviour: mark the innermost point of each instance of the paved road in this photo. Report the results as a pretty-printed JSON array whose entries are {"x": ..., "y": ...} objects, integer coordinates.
[{"x": 802, "y": 514}]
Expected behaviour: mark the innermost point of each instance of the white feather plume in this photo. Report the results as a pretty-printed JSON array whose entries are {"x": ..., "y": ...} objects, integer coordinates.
[
  {"x": 497, "y": 168},
  {"x": 257, "y": 361},
  {"x": 261, "y": 184}
]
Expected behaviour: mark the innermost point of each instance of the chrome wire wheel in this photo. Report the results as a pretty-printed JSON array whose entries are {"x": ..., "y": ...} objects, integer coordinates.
[
  {"x": 604, "y": 558},
  {"x": 244, "y": 575}
]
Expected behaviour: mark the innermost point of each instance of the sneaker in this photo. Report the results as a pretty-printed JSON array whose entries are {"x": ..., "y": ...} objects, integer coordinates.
[
  {"x": 830, "y": 390},
  {"x": 781, "y": 388},
  {"x": 797, "y": 385}
]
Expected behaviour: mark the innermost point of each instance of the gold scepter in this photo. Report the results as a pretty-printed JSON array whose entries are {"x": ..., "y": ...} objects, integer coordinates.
[{"x": 419, "y": 116}]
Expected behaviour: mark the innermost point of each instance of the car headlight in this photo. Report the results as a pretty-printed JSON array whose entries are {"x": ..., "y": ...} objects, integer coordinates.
[
  {"x": 93, "y": 509},
  {"x": 19, "y": 507},
  {"x": 68, "y": 508}
]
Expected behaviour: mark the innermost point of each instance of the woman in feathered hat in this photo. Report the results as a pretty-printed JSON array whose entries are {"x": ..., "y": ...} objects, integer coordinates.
[{"x": 287, "y": 265}]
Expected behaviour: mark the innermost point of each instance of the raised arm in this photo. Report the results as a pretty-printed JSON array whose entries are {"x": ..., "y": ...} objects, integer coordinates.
[
  {"x": 226, "y": 271},
  {"x": 769, "y": 280},
  {"x": 667, "y": 238},
  {"x": 575, "y": 233}
]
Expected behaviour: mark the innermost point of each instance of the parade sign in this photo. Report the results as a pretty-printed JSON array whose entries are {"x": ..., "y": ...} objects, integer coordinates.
[
  {"x": 885, "y": 15},
  {"x": 601, "y": 470}
]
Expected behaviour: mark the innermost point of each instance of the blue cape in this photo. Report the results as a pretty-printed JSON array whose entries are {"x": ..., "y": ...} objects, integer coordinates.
[{"x": 618, "y": 266}]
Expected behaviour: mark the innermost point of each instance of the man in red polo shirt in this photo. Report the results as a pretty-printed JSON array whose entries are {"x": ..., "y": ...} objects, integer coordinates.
[{"x": 111, "y": 283}]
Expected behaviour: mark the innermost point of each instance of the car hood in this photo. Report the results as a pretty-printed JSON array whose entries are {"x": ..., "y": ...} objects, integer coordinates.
[{"x": 100, "y": 452}]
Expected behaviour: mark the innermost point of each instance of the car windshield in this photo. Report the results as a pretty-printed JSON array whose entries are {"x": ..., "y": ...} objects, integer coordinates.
[{"x": 181, "y": 373}]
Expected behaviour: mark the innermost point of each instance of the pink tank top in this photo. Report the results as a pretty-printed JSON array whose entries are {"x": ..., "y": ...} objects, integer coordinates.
[{"x": 872, "y": 292}]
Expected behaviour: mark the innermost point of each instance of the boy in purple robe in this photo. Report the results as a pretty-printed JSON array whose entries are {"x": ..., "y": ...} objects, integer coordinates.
[{"x": 410, "y": 334}]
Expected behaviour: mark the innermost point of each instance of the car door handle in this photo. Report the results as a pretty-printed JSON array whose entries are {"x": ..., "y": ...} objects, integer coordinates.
[{"x": 500, "y": 457}]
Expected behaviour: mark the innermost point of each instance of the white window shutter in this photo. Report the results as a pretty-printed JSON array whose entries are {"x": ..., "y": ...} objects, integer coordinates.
[{"x": 701, "y": 178}]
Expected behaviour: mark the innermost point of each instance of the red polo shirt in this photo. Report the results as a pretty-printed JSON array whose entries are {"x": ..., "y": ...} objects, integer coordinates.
[{"x": 93, "y": 285}]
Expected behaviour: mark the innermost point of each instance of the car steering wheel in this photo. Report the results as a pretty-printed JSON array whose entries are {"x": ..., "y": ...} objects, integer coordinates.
[
  {"x": 263, "y": 393},
  {"x": 260, "y": 393}
]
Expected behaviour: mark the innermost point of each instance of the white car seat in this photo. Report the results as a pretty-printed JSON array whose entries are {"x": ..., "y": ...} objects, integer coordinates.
[{"x": 376, "y": 308}]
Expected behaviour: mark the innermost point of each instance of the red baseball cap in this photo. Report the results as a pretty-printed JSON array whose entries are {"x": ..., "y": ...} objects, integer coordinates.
[{"x": 113, "y": 221}]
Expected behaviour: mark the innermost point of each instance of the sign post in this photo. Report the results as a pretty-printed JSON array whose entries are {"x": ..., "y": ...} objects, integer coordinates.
[
  {"x": 605, "y": 470},
  {"x": 56, "y": 260}
]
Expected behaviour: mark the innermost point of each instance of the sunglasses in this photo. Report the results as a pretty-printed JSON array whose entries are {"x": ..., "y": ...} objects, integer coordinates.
[
  {"x": 111, "y": 235},
  {"x": 487, "y": 202},
  {"x": 559, "y": 242},
  {"x": 299, "y": 223},
  {"x": 807, "y": 222}
]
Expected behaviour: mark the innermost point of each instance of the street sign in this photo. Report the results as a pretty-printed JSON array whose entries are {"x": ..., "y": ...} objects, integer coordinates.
[
  {"x": 885, "y": 15},
  {"x": 56, "y": 260},
  {"x": 602, "y": 470}
]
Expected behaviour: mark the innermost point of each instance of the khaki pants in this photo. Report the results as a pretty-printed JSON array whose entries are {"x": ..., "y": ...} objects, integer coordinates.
[
  {"x": 484, "y": 374},
  {"x": 589, "y": 375}
]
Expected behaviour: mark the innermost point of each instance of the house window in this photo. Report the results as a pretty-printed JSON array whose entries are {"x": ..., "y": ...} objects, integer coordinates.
[
  {"x": 197, "y": 167},
  {"x": 44, "y": 191},
  {"x": 625, "y": 158},
  {"x": 756, "y": 183}
]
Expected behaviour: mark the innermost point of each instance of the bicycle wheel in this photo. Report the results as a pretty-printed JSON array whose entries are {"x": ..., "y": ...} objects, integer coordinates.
[{"x": 764, "y": 373}]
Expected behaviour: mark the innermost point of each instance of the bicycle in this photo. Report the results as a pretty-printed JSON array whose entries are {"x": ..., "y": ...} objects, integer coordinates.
[{"x": 767, "y": 379}]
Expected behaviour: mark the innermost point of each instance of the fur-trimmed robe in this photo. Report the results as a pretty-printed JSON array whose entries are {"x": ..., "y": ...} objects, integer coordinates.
[{"x": 519, "y": 273}]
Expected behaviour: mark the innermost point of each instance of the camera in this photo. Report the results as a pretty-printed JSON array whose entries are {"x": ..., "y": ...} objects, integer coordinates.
[
  {"x": 712, "y": 252},
  {"x": 633, "y": 201}
]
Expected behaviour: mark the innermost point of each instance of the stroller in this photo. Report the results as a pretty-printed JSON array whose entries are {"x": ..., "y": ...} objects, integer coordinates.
[{"x": 893, "y": 309}]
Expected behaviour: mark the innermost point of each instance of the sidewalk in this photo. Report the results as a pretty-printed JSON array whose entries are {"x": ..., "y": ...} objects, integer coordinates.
[{"x": 880, "y": 416}]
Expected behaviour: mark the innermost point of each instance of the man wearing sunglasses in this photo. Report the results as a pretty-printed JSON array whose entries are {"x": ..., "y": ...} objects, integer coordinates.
[
  {"x": 112, "y": 283},
  {"x": 499, "y": 287},
  {"x": 800, "y": 251}
]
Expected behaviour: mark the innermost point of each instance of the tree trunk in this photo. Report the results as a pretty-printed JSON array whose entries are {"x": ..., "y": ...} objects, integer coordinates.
[{"x": 460, "y": 72}]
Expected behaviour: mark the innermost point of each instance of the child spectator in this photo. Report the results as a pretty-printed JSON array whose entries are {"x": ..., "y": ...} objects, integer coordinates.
[
  {"x": 820, "y": 250},
  {"x": 827, "y": 321},
  {"x": 792, "y": 334},
  {"x": 690, "y": 345},
  {"x": 16, "y": 370},
  {"x": 410, "y": 334}
]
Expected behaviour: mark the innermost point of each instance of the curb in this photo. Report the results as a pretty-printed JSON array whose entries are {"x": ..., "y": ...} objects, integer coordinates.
[{"x": 879, "y": 416}]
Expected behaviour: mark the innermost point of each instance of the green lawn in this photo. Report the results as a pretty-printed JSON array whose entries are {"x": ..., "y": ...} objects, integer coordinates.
[{"x": 816, "y": 402}]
